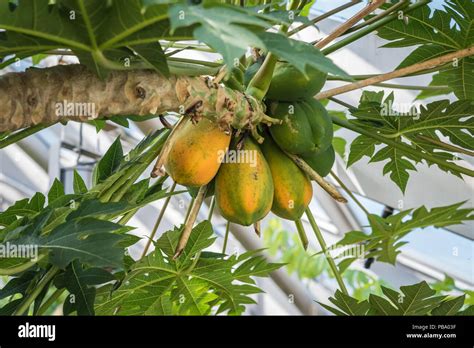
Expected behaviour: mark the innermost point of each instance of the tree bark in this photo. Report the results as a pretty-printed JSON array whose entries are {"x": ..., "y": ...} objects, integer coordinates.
[{"x": 72, "y": 92}]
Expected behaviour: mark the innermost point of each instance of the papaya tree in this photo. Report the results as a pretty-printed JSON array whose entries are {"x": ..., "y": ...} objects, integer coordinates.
[{"x": 251, "y": 132}]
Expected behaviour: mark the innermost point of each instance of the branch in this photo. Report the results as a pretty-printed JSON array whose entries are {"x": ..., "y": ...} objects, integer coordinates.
[
  {"x": 349, "y": 23},
  {"x": 370, "y": 28},
  {"x": 397, "y": 6},
  {"x": 431, "y": 63},
  {"x": 72, "y": 92}
]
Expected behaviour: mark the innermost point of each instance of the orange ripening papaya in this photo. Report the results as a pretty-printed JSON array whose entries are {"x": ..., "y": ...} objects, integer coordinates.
[
  {"x": 293, "y": 190},
  {"x": 196, "y": 153},
  {"x": 244, "y": 185}
]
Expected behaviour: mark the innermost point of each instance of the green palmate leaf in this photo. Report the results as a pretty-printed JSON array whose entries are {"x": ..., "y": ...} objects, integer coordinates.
[
  {"x": 220, "y": 27},
  {"x": 416, "y": 299},
  {"x": 17, "y": 285},
  {"x": 80, "y": 283},
  {"x": 423, "y": 53},
  {"x": 110, "y": 161},
  {"x": 398, "y": 165},
  {"x": 79, "y": 185},
  {"x": 424, "y": 129},
  {"x": 422, "y": 28},
  {"x": 437, "y": 80},
  {"x": 89, "y": 240},
  {"x": 197, "y": 283},
  {"x": 56, "y": 191},
  {"x": 445, "y": 30},
  {"x": 360, "y": 147},
  {"x": 300, "y": 54},
  {"x": 460, "y": 77},
  {"x": 450, "y": 307},
  {"x": 231, "y": 30},
  {"x": 101, "y": 33},
  {"x": 384, "y": 240}
]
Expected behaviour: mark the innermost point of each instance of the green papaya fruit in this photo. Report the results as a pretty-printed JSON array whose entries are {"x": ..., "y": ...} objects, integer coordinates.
[
  {"x": 321, "y": 163},
  {"x": 321, "y": 124},
  {"x": 294, "y": 134}
]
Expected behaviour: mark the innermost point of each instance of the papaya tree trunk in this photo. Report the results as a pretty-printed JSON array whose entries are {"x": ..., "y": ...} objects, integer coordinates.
[{"x": 72, "y": 92}]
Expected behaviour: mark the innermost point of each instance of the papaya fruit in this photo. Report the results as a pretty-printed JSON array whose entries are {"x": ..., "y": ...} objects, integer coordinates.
[
  {"x": 290, "y": 84},
  {"x": 244, "y": 188},
  {"x": 294, "y": 135},
  {"x": 196, "y": 153},
  {"x": 292, "y": 188},
  {"x": 321, "y": 124},
  {"x": 321, "y": 163}
]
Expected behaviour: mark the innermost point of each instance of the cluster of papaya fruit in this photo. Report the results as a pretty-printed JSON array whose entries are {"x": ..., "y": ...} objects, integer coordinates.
[{"x": 260, "y": 178}]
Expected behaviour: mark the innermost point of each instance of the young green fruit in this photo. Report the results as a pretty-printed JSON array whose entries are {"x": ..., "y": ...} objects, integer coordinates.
[
  {"x": 321, "y": 124},
  {"x": 321, "y": 163},
  {"x": 294, "y": 135}
]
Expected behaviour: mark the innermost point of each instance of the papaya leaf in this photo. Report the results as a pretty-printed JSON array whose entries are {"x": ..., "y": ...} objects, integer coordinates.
[
  {"x": 197, "y": 283},
  {"x": 56, "y": 191},
  {"x": 384, "y": 240},
  {"x": 418, "y": 128},
  {"x": 416, "y": 299},
  {"x": 445, "y": 30},
  {"x": 98, "y": 32},
  {"x": 110, "y": 161},
  {"x": 79, "y": 185},
  {"x": 423, "y": 27},
  {"x": 80, "y": 282}
]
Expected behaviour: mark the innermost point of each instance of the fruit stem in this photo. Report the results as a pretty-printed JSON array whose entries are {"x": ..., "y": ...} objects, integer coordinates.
[
  {"x": 226, "y": 236},
  {"x": 329, "y": 258},
  {"x": 188, "y": 227},
  {"x": 349, "y": 192},
  {"x": 211, "y": 208},
  {"x": 330, "y": 189},
  {"x": 165, "y": 150},
  {"x": 158, "y": 221},
  {"x": 259, "y": 84},
  {"x": 302, "y": 234}
]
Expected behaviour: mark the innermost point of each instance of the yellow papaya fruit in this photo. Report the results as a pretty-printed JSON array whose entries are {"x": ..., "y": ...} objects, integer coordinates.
[
  {"x": 292, "y": 188},
  {"x": 244, "y": 185},
  {"x": 196, "y": 153}
]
